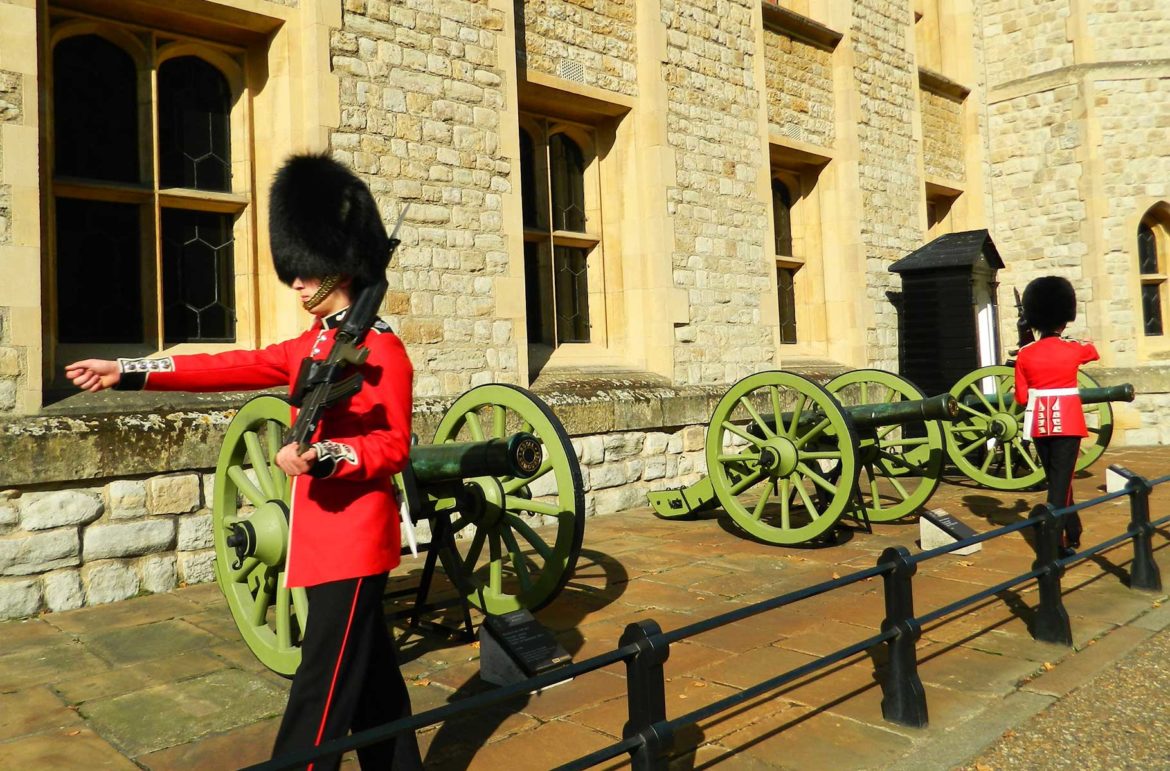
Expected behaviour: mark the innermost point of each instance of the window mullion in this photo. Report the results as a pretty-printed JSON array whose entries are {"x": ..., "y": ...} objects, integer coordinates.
[
  {"x": 159, "y": 300},
  {"x": 549, "y": 224}
]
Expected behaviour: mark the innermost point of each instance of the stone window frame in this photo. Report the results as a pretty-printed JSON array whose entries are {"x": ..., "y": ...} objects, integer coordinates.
[
  {"x": 788, "y": 255},
  {"x": 142, "y": 43},
  {"x": 1153, "y": 233},
  {"x": 799, "y": 168},
  {"x": 541, "y": 128},
  {"x": 939, "y": 202}
]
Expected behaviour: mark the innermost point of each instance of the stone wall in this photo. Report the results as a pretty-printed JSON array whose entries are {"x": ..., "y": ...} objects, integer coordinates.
[
  {"x": 942, "y": 136},
  {"x": 11, "y": 110},
  {"x": 1134, "y": 118},
  {"x": 719, "y": 222},
  {"x": 891, "y": 192},
  {"x": 421, "y": 93},
  {"x": 65, "y": 544},
  {"x": 592, "y": 43},
  {"x": 799, "y": 89},
  {"x": 1030, "y": 37},
  {"x": 1129, "y": 30},
  {"x": 1038, "y": 211}
]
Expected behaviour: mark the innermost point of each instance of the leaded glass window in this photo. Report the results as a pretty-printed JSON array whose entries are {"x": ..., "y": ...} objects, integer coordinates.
[
  {"x": 141, "y": 259},
  {"x": 1151, "y": 239},
  {"x": 562, "y": 245}
]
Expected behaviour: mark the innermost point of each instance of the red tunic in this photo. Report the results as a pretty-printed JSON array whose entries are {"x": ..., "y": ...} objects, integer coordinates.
[
  {"x": 344, "y": 525},
  {"x": 1050, "y": 364}
]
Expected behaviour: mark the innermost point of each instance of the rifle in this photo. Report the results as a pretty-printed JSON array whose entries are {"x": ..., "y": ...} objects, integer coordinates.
[{"x": 319, "y": 383}]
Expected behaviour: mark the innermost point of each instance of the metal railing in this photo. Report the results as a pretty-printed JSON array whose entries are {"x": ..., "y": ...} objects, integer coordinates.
[{"x": 644, "y": 647}]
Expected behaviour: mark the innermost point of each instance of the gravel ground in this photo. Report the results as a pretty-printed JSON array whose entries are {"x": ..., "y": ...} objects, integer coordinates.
[{"x": 1119, "y": 720}]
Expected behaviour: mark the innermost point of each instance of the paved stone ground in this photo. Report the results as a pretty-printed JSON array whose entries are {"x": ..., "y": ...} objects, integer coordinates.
[{"x": 163, "y": 682}]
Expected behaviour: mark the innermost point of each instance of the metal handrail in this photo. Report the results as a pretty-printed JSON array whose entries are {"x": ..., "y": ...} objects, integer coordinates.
[{"x": 644, "y": 647}]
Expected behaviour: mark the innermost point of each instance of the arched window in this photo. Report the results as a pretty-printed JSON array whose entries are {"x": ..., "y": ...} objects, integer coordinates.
[
  {"x": 139, "y": 261},
  {"x": 557, "y": 175},
  {"x": 1152, "y": 246},
  {"x": 786, "y": 266}
]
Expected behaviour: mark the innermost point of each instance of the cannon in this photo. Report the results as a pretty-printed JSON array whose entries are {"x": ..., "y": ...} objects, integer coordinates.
[
  {"x": 500, "y": 472},
  {"x": 784, "y": 456},
  {"x": 986, "y": 442}
]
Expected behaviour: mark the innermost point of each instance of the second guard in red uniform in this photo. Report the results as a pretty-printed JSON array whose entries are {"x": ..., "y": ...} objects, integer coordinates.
[{"x": 1046, "y": 382}]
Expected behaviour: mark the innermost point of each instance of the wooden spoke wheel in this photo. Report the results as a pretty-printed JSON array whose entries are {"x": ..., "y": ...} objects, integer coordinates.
[
  {"x": 782, "y": 457},
  {"x": 986, "y": 442},
  {"x": 901, "y": 465},
  {"x": 251, "y": 502},
  {"x": 523, "y": 536}
]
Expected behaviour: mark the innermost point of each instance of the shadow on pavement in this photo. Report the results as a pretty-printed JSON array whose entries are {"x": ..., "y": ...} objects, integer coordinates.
[{"x": 597, "y": 581}]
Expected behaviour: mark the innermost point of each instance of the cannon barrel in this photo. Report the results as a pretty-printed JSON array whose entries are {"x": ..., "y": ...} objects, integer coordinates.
[
  {"x": 866, "y": 416},
  {"x": 518, "y": 455},
  {"x": 1117, "y": 393}
]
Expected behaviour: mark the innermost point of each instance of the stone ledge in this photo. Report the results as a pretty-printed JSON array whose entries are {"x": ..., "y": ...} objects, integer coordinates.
[{"x": 117, "y": 435}]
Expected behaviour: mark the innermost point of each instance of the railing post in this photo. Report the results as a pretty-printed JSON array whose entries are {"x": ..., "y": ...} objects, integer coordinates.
[
  {"x": 903, "y": 698},
  {"x": 646, "y": 695},
  {"x": 1144, "y": 574},
  {"x": 1052, "y": 623}
]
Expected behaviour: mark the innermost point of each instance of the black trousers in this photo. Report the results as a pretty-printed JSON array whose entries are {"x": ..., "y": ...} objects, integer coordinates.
[
  {"x": 1058, "y": 455},
  {"x": 348, "y": 678}
]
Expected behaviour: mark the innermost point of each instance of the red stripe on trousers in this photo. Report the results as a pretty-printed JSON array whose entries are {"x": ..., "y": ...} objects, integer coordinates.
[{"x": 337, "y": 667}]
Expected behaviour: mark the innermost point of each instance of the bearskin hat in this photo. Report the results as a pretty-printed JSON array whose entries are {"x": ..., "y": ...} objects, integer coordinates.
[
  {"x": 1050, "y": 302},
  {"x": 323, "y": 221}
]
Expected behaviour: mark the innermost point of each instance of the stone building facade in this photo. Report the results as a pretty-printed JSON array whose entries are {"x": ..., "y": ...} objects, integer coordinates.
[{"x": 743, "y": 174}]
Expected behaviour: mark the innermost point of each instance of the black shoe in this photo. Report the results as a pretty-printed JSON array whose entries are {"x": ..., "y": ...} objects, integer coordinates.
[{"x": 1065, "y": 551}]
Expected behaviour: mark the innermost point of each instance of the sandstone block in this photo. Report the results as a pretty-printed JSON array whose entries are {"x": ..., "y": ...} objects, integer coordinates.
[
  {"x": 655, "y": 444},
  {"x": 197, "y": 567},
  {"x": 607, "y": 475},
  {"x": 42, "y": 511},
  {"x": 620, "y": 446},
  {"x": 63, "y": 590},
  {"x": 619, "y": 499},
  {"x": 655, "y": 468},
  {"x": 9, "y": 362},
  {"x": 194, "y": 532},
  {"x": 19, "y": 598},
  {"x": 109, "y": 581},
  {"x": 173, "y": 494},
  {"x": 129, "y": 539},
  {"x": 39, "y": 552},
  {"x": 693, "y": 438},
  {"x": 125, "y": 499},
  {"x": 590, "y": 449},
  {"x": 9, "y": 516},
  {"x": 158, "y": 573}
]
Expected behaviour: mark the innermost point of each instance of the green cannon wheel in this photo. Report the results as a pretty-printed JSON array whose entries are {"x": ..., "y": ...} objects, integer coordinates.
[
  {"x": 901, "y": 465},
  {"x": 986, "y": 442},
  {"x": 788, "y": 477},
  {"x": 250, "y": 490},
  {"x": 524, "y": 534}
]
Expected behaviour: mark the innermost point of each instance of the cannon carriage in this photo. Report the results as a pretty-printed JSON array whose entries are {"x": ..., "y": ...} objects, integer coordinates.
[
  {"x": 787, "y": 458},
  {"x": 500, "y": 472}
]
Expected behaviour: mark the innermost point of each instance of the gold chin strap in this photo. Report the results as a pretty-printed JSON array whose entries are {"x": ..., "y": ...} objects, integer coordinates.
[{"x": 328, "y": 284}]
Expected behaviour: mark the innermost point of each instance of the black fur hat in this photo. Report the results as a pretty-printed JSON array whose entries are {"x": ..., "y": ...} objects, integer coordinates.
[
  {"x": 323, "y": 221},
  {"x": 1050, "y": 302}
]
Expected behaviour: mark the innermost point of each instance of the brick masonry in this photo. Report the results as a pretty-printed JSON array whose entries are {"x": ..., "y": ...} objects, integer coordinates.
[
  {"x": 593, "y": 43},
  {"x": 11, "y": 111},
  {"x": 942, "y": 136},
  {"x": 799, "y": 89},
  {"x": 718, "y": 219}
]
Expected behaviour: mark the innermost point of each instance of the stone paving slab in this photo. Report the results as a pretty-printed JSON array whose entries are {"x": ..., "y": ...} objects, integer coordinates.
[{"x": 163, "y": 681}]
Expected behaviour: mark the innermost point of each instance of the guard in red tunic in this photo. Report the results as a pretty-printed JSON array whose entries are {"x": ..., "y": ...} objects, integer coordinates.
[
  {"x": 328, "y": 241},
  {"x": 1046, "y": 382}
]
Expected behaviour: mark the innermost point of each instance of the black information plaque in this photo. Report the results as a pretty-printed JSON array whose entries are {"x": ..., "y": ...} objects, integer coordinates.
[
  {"x": 514, "y": 647},
  {"x": 948, "y": 524}
]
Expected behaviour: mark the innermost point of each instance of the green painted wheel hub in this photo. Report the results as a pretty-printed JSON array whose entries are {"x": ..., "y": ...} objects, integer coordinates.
[
  {"x": 250, "y": 501},
  {"x": 901, "y": 465},
  {"x": 781, "y": 457},
  {"x": 519, "y": 538}
]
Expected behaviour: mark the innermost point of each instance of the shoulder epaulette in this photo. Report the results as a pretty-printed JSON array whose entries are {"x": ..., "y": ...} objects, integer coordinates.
[{"x": 380, "y": 326}]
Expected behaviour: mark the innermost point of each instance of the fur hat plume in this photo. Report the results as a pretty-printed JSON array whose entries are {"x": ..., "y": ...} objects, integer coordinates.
[
  {"x": 1050, "y": 302},
  {"x": 323, "y": 221}
]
